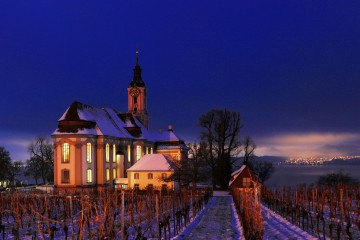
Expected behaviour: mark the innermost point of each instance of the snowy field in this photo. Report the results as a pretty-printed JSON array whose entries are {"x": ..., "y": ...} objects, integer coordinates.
[
  {"x": 276, "y": 227},
  {"x": 220, "y": 221}
]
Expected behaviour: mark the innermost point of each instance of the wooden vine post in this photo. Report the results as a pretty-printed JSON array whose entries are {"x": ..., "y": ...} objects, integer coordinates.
[
  {"x": 71, "y": 217},
  {"x": 122, "y": 214},
  {"x": 342, "y": 214},
  {"x": 157, "y": 215}
]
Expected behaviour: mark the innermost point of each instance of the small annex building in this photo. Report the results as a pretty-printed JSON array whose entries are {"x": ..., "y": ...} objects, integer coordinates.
[
  {"x": 150, "y": 171},
  {"x": 243, "y": 178}
]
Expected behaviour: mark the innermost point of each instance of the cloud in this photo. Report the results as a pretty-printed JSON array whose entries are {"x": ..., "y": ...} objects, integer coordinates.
[
  {"x": 16, "y": 144},
  {"x": 309, "y": 144}
]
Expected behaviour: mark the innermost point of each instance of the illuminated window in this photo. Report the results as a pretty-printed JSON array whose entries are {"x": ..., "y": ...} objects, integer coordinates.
[
  {"x": 66, "y": 153},
  {"x": 246, "y": 182},
  {"x": 150, "y": 176},
  {"x": 147, "y": 150},
  {"x": 114, "y": 153},
  {"x": 114, "y": 172},
  {"x": 138, "y": 152},
  {"x": 107, "y": 173},
  {"x": 65, "y": 176},
  {"x": 107, "y": 153},
  {"x": 136, "y": 176},
  {"x": 151, "y": 150},
  {"x": 163, "y": 175},
  {"x": 89, "y": 175},
  {"x": 88, "y": 152},
  {"x": 129, "y": 153}
]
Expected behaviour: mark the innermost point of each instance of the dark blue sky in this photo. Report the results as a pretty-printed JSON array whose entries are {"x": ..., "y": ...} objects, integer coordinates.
[{"x": 292, "y": 68}]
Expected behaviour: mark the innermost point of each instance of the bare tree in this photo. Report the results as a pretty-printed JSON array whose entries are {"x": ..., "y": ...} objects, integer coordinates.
[
  {"x": 5, "y": 164},
  {"x": 197, "y": 156},
  {"x": 15, "y": 170},
  {"x": 188, "y": 170},
  {"x": 220, "y": 134},
  {"x": 249, "y": 151},
  {"x": 42, "y": 153},
  {"x": 33, "y": 168},
  {"x": 262, "y": 169},
  {"x": 181, "y": 172}
]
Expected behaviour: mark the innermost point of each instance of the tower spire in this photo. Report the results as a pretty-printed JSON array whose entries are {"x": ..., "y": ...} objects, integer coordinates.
[
  {"x": 137, "y": 95},
  {"x": 137, "y": 79}
]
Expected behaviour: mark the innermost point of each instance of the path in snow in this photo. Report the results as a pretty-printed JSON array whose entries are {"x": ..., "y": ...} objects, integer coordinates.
[
  {"x": 217, "y": 222},
  {"x": 276, "y": 227}
]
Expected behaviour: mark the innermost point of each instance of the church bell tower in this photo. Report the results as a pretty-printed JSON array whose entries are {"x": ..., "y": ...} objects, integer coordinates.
[{"x": 137, "y": 95}]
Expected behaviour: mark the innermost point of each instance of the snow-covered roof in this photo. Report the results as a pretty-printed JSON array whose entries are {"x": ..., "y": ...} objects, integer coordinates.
[
  {"x": 81, "y": 119},
  {"x": 239, "y": 170},
  {"x": 152, "y": 162},
  {"x": 235, "y": 174},
  {"x": 167, "y": 135}
]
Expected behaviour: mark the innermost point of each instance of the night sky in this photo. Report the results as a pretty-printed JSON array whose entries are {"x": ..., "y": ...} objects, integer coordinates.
[{"x": 292, "y": 68}]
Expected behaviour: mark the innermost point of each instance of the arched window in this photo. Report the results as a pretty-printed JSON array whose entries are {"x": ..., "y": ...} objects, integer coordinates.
[
  {"x": 66, "y": 152},
  {"x": 129, "y": 153},
  {"x": 107, "y": 173},
  {"x": 138, "y": 152},
  {"x": 89, "y": 175},
  {"x": 114, "y": 153},
  {"x": 150, "y": 176},
  {"x": 107, "y": 153},
  {"x": 114, "y": 172},
  {"x": 88, "y": 152}
]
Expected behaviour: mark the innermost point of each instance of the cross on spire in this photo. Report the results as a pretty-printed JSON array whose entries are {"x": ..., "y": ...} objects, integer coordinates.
[{"x": 137, "y": 56}]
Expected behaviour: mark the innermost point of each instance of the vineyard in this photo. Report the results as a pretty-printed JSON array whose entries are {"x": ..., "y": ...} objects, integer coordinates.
[
  {"x": 247, "y": 202},
  {"x": 328, "y": 212},
  {"x": 324, "y": 212},
  {"x": 106, "y": 214}
]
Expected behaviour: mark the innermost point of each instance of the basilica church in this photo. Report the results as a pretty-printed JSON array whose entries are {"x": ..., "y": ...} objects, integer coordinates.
[{"x": 95, "y": 146}]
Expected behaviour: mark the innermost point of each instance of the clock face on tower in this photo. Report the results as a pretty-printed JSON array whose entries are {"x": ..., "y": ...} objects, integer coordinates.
[{"x": 134, "y": 91}]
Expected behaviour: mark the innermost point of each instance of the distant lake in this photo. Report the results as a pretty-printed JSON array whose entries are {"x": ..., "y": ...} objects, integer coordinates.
[{"x": 292, "y": 175}]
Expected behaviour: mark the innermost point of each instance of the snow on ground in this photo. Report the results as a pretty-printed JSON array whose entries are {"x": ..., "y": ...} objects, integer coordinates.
[
  {"x": 218, "y": 221},
  {"x": 276, "y": 227}
]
